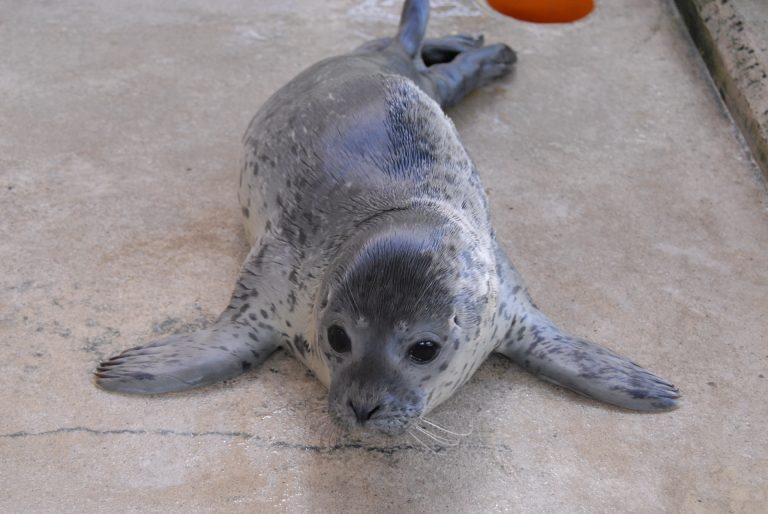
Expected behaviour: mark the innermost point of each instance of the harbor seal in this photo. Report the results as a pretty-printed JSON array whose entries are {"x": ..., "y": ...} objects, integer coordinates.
[{"x": 373, "y": 258}]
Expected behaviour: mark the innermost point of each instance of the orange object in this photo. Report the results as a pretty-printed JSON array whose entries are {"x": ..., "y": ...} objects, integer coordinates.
[{"x": 544, "y": 11}]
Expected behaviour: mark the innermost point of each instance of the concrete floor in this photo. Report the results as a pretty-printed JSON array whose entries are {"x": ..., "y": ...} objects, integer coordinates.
[{"x": 618, "y": 183}]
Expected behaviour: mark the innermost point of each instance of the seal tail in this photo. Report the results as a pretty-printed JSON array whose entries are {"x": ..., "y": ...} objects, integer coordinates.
[{"x": 413, "y": 26}]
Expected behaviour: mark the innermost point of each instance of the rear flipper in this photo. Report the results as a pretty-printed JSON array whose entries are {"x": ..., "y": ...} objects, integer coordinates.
[
  {"x": 413, "y": 26},
  {"x": 445, "y": 49},
  {"x": 470, "y": 70},
  {"x": 535, "y": 343},
  {"x": 184, "y": 361},
  {"x": 450, "y": 67}
]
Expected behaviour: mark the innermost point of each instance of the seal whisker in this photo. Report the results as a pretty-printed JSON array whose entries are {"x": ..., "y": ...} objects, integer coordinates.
[
  {"x": 439, "y": 440},
  {"x": 443, "y": 429},
  {"x": 339, "y": 435},
  {"x": 328, "y": 431},
  {"x": 333, "y": 433},
  {"x": 427, "y": 447}
]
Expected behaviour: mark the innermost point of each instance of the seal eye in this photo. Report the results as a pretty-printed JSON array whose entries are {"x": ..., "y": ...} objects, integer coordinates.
[
  {"x": 338, "y": 339},
  {"x": 423, "y": 352}
]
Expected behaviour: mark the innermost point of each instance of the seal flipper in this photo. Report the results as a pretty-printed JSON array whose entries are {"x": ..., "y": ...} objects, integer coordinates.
[
  {"x": 241, "y": 338},
  {"x": 445, "y": 49},
  {"x": 534, "y": 342},
  {"x": 413, "y": 26},
  {"x": 185, "y": 361},
  {"x": 470, "y": 70}
]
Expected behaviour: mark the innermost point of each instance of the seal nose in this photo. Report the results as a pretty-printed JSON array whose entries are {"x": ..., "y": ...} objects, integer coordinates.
[{"x": 363, "y": 412}]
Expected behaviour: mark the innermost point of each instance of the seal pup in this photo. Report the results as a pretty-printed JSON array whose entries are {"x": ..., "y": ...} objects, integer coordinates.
[{"x": 373, "y": 258}]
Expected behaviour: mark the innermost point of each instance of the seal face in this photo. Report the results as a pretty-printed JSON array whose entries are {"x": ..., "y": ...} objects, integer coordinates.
[
  {"x": 373, "y": 258},
  {"x": 401, "y": 322}
]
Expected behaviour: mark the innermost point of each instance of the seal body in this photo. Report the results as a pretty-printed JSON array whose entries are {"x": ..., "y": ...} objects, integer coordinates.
[
  {"x": 375, "y": 164},
  {"x": 379, "y": 187},
  {"x": 373, "y": 257}
]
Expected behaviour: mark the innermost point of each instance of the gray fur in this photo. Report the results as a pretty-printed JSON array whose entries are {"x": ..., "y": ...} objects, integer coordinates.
[{"x": 365, "y": 212}]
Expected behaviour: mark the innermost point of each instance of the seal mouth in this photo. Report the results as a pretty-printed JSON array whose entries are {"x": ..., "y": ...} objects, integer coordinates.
[
  {"x": 424, "y": 433},
  {"x": 377, "y": 421},
  {"x": 363, "y": 408},
  {"x": 371, "y": 429}
]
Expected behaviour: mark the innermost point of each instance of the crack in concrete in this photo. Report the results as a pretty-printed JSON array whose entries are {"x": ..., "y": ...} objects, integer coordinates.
[
  {"x": 129, "y": 431},
  {"x": 276, "y": 445}
]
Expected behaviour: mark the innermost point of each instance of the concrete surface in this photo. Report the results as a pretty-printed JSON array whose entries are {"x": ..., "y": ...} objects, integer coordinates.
[
  {"x": 732, "y": 36},
  {"x": 618, "y": 183}
]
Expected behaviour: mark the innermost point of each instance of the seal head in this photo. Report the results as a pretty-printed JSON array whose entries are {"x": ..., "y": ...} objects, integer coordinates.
[{"x": 403, "y": 309}]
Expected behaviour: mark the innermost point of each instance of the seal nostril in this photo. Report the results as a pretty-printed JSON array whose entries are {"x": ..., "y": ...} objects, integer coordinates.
[
  {"x": 370, "y": 414},
  {"x": 354, "y": 410},
  {"x": 363, "y": 413}
]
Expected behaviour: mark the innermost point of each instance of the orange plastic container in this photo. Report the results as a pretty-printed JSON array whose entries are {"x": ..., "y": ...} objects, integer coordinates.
[{"x": 544, "y": 11}]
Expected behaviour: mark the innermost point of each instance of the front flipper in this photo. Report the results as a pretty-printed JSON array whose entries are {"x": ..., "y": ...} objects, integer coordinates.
[
  {"x": 535, "y": 343},
  {"x": 248, "y": 331},
  {"x": 185, "y": 361}
]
